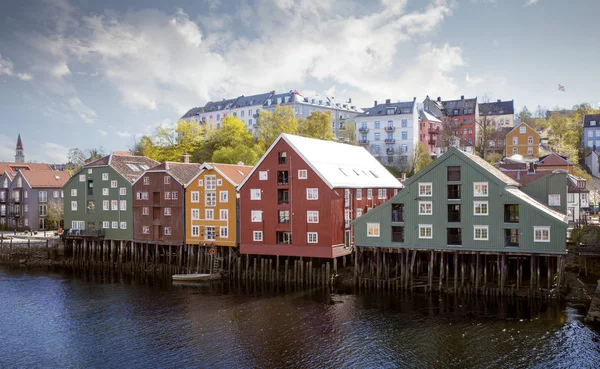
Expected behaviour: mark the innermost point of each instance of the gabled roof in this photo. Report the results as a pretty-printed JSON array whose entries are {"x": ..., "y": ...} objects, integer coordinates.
[
  {"x": 182, "y": 172},
  {"x": 423, "y": 115},
  {"x": 193, "y": 111},
  {"x": 591, "y": 117},
  {"x": 403, "y": 107},
  {"x": 490, "y": 169},
  {"x": 450, "y": 105},
  {"x": 338, "y": 165},
  {"x": 536, "y": 204},
  {"x": 497, "y": 108},
  {"x": 519, "y": 125},
  {"x": 131, "y": 167},
  {"x": 12, "y": 167},
  {"x": 524, "y": 177},
  {"x": 252, "y": 99},
  {"x": 233, "y": 173},
  {"x": 553, "y": 159},
  {"x": 45, "y": 179},
  {"x": 572, "y": 185}
]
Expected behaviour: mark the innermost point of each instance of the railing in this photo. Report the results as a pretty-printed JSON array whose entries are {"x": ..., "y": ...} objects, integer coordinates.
[
  {"x": 454, "y": 240},
  {"x": 389, "y": 151},
  {"x": 363, "y": 129},
  {"x": 390, "y": 129},
  {"x": 363, "y": 142},
  {"x": 434, "y": 131},
  {"x": 83, "y": 232},
  {"x": 390, "y": 140},
  {"x": 283, "y": 201}
]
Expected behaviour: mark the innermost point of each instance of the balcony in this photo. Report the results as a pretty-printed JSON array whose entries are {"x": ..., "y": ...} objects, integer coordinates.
[
  {"x": 390, "y": 140},
  {"x": 432, "y": 142},
  {"x": 282, "y": 178},
  {"x": 389, "y": 151},
  {"x": 283, "y": 197},
  {"x": 390, "y": 129},
  {"x": 363, "y": 129},
  {"x": 91, "y": 233},
  {"x": 434, "y": 131},
  {"x": 363, "y": 142}
]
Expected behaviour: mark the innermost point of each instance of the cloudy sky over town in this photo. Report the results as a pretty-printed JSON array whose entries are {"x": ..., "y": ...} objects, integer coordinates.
[{"x": 101, "y": 73}]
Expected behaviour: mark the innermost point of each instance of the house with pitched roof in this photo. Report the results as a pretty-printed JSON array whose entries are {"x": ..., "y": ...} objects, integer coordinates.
[
  {"x": 523, "y": 140},
  {"x": 390, "y": 131},
  {"x": 212, "y": 205},
  {"x": 159, "y": 203},
  {"x": 553, "y": 161},
  {"x": 591, "y": 131},
  {"x": 500, "y": 113},
  {"x": 430, "y": 124},
  {"x": 98, "y": 199},
  {"x": 30, "y": 195},
  {"x": 462, "y": 115},
  {"x": 592, "y": 160},
  {"x": 301, "y": 196}
]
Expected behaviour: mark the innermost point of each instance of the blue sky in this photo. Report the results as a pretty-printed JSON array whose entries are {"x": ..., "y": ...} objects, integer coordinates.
[{"x": 100, "y": 73}]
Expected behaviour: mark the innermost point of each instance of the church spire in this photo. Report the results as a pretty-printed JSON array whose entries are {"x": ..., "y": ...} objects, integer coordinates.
[
  {"x": 19, "y": 143},
  {"x": 19, "y": 156}
]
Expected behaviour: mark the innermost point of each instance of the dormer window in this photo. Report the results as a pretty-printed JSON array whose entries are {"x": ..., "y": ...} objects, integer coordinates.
[
  {"x": 592, "y": 122},
  {"x": 456, "y": 111},
  {"x": 279, "y": 100},
  {"x": 390, "y": 111}
]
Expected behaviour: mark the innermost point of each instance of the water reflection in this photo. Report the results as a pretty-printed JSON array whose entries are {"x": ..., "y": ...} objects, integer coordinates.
[{"x": 65, "y": 319}]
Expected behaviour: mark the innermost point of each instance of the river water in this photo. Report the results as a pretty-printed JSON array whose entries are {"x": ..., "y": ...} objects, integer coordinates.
[{"x": 57, "y": 319}]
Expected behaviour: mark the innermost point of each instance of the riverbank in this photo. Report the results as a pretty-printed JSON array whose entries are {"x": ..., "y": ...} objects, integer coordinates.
[{"x": 35, "y": 251}]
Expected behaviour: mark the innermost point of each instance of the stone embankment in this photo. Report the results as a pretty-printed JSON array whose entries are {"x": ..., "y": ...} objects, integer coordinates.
[{"x": 31, "y": 250}]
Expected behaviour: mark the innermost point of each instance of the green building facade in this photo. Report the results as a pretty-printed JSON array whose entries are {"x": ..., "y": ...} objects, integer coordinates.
[{"x": 460, "y": 202}]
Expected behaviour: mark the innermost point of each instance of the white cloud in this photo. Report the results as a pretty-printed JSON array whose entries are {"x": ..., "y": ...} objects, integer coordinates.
[
  {"x": 103, "y": 133},
  {"x": 25, "y": 76},
  {"x": 56, "y": 153},
  {"x": 60, "y": 70},
  {"x": 123, "y": 133},
  {"x": 6, "y": 66},
  {"x": 7, "y": 148},
  {"x": 531, "y": 2},
  {"x": 86, "y": 114},
  {"x": 473, "y": 81}
]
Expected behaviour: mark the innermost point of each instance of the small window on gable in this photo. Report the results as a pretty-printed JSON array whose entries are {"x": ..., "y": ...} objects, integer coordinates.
[
  {"x": 453, "y": 173},
  {"x": 302, "y": 174},
  {"x": 592, "y": 122},
  {"x": 282, "y": 157},
  {"x": 372, "y": 229},
  {"x": 522, "y": 129},
  {"x": 263, "y": 175}
]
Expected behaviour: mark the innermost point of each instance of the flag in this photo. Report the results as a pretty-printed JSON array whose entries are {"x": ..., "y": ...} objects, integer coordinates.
[{"x": 561, "y": 88}]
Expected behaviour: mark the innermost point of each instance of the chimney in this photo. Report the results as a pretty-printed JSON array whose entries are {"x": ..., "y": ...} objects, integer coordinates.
[
  {"x": 375, "y": 103},
  {"x": 439, "y": 99},
  {"x": 499, "y": 100},
  {"x": 414, "y": 98},
  {"x": 240, "y": 163},
  {"x": 403, "y": 176},
  {"x": 531, "y": 168},
  {"x": 518, "y": 176},
  {"x": 350, "y": 100},
  {"x": 462, "y": 97},
  {"x": 186, "y": 158},
  {"x": 387, "y": 101}
]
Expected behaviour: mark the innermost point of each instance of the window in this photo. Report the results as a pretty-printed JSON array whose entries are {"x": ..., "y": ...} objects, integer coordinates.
[
  {"x": 123, "y": 225},
  {"x": 515, "y": 140},
  {"x": 42, "y": 196},
  {"x": 257, "y": 236},
  {"x": 123, "y": 191},
  {"x": 522, "y": 129},
  {"x": 570, "y": 197},
  {"x": 377, "y": 124},
  {"x": 105, "y": 205},
  {"x": 381, "y": 194},
  {"x": 195, "y": 231},
  {"x": 515, "y": 151},
  {"x": 223, "y": 214},
  {"x": 224, "y": 232},
  {"x": 195, "y": 214},
  {"x": 195, "y": 196},
  {"x": 404, "y": 123},
  {"x": 358, "y": 212},
  {"x": 256, "y": 215},
  {"x": 480, "y": 189},
  {"x": 142, "y": 195},
  {"x": 454, "y": 213},
  {"x": 369, "y": 194},
  {"x": 210, "y": 199},
  {"x": 377, "y": 136},
  {"x": 511, "y": 237},
  {"x": 312, "y": 216},
  {"x": 73, "y": 205},
  {"x": 105, "y": 176},
  {"x": 174, "y": 195},
  {"x": 167, "y": 180},
  {"x": 105, "y": 192},
  {"x": 113, "y": 184},
  {"x": 480, "y": 233},
  {"x": 302, "y": 174},
  {"x": 145, "y": 210},
  {"x": 541, "y": 234},
  {"x": 219, "y": 182},
  {"x": 312, "y": 193},
  {"x": 167, "y": 231},
  {"x": 372, "y": 229},
  {"x": 529, "y": 150},
  {"x": 511, "y": 213},
  {"x": 425, "y": 208},
  {"x": 55, "y": 194},
  {"x": 397, "y": 234},
  {"x": 530, "y": 140},
  {"x": 282, "y": 157},
  {"x": 209, "y": 214},
  {"x": 114, "y": 205},
  {"x": 359, "y": 194},
  {"x": 554, "y": 199},
  {"x": 43, "y": 209},
  {"x": 74, "y": 192},
  {"x": 282, "y": 177},
  {"x": 312, "y": 237},
  {"x": 105, "y": 224},
  {"x": 453, "y": 192},
  {"x": 425, "y": 231},
  {"x": 146, "y": 181},
  {"x": 123, "y": 205},
  {"x": 167, "y": 195},
  {"x": 167, "y": 212},
  {"x": 480, "y": 208},
  {"x": 592, "y": 122},
  {"x": 255, "y": 194},
  {"x": 81, "y": 178},
  {"x": 263, "y": 175},
  {"x": 597, "y": 132},
  {"x": 404, "y": 135},
  {"x": 454, "y": 173},
  {"x": 454, "y": 236},
  {"x": 425, "y": 189}
]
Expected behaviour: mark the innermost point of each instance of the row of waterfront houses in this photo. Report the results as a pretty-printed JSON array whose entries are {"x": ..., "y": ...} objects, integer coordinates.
[{"x": 310, "y": 198}]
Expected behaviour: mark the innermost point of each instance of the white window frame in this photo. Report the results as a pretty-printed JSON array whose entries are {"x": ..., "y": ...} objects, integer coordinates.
[
  {"x": 369, "y": 194},
  {"x": 257, "y": 236},
  {"x": 255, "y": 194},
  {"x": 312, "y": 216},
  {"x": 226, "y": 233},
  {"x": 146, "y": 181},
  {"x": 380, "y": 192},
  {"x": 123, "y": 225},
  {"x": 219, "y": 182},
  {"x": 81, "y": 178},
  {"x": 114, "y": 183},
  {"x": 426, "y": 226},
  {"x": 195, "y": 214},
  {"x": 553, "y": 202},
  {"x": 145, "y": 210},
  {"x": 114, "y": 224},
  {"x": 256, "y": 216},
  {"x": 302, "y": 174},
  {"x": 167, "y": 212},
  {"x": 312, "y": 193},
  {"x": 359, "y": 193},
  {"x": 210, "y": 182},
  {"x": 522, "y": 130},
  {"x": 105, "y": 224},
  {"x": 105, "y": 176},
  {"x": 123, "y": 191},
  {"x": 373, "y": 230},
  {"x": 105, "y": 205},
  {"x": 312, "y": 237},
  {"x": 73, "y": 192},
  {"x": 105, "y": 191},
  {"x": 223, "y": 196},
  {"x": 425, "y": 203},
  {"x": 167, "y": 231},
  {"x": 195, "y": 197},
  {"x": 423, "y": 189},
  {"x": 263, "y": 175},
  {"x": 224, "y": 212},
  {"x": 167, "y": 180},
  {"x": 481, "y": 228},
  {"x": 167, "y": 195},
  {"x": 478, "y": 203},
  {"x": 359, "y": 212},
  {"x": 114, "y": 205},
  {"x": 123, "y": 205},
  {"x": 209, "y": 214},
  {"x": 213, "y": 198},
  {"x": 479, "y": 193},
  {"x": 542, "y": 229},
  {"x": 195, "y": 231},
  {"x": 73, "y": 205}
]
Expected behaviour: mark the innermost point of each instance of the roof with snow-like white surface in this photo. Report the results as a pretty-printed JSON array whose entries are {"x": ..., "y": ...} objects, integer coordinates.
[{"x": 531, "y": 201}]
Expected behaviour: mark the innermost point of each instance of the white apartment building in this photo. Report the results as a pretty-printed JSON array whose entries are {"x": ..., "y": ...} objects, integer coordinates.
[{"x": 390, "y": 131}]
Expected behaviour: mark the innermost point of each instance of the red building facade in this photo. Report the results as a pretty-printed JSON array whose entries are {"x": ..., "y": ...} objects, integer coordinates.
[
  {"x": 301, "y": 196},
  {"x": 463, "y": 114}
]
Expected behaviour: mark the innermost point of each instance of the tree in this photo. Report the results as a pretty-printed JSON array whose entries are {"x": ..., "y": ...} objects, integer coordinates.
[
  {"x": 494, "y": 158},
  {"x": 347, "y": 133},
  {"x": 451, "y": 134},
  {"x": 317, "y": 125},
  {"x": 169, "y": 143},
  {"x": 487, "y": 127},
  {"x": 271, "y": 125},
  {"x": 233, "y": 143},
  {"x": 541, "y": 111},
  {"x": 77, "y": 158},
  {"x": 55, "y": 215},
  {"x": 421, "y": 157},
  {"x": 525, "y": 115}
]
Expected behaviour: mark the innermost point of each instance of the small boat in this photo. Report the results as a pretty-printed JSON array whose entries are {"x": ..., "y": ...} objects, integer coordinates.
[{"x": 196, "y": 277}]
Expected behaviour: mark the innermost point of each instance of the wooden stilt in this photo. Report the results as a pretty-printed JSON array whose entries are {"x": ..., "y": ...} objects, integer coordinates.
[
  {"x": 430, "y": 270},
  {"x": 455, "y": 271}
]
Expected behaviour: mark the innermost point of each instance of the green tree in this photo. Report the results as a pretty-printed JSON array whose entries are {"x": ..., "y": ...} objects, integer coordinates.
[
  {"x": 317, "y": 125},
  {"x": 169, "y": 143},
  {"x": 233, "y": 143},
  {"x": 271, "y": 124},
  {"x": 77, "y": 158},
  {"x": 347, "y": 133},
  {"x": 421, "y": 157},
  {"x": 55, "y": 215}
]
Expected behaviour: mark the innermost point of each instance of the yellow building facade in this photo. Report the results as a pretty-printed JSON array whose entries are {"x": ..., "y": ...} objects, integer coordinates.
[
  {"x": 211, "y": 205},
  {"x": 523, "y": 140}
]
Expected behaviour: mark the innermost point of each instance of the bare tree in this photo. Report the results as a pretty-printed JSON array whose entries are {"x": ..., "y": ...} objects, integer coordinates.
[
  {"x": 451, "y": 134},
  {"x": 486, "y": 126}
]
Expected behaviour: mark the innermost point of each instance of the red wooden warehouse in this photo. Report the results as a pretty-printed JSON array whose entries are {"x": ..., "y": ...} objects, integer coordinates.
[{"x": 301, "y": 196}]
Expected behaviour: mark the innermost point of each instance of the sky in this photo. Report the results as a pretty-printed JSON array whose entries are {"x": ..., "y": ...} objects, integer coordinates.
[{"x": 88, "y": 74}]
